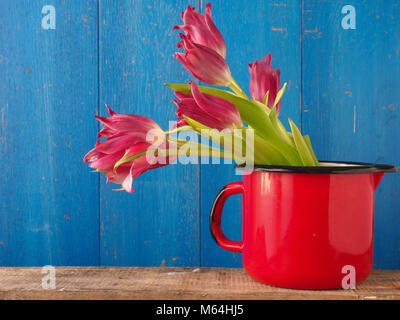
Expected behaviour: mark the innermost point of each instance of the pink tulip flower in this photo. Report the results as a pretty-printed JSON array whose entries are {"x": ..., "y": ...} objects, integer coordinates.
[
  {"x": 203, "y": 63},
  {"x": 264, "y": 78},
  {"x": 211, "y": 111},
  {"x": 126, "y": 136},
  {"x": 202, "y": 30}
]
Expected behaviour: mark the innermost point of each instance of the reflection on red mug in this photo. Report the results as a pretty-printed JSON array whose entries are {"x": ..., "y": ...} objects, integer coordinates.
[{"x": 303, "y": 225}]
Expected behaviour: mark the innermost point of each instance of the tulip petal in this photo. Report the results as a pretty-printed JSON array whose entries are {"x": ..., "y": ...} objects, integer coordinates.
[
  {"x": 132, "y": 153},
  {"x": 204, "y": 63},
  {"x": 111, "y": 113},
  {"x": 220, "y": 109},
  {"x": 120, "y": 143},
  {"x": 128, "y": 123},
  {"x": 220, "y": 46},
  {"x": 107, "y": 161},
  {"x": 264, "y": 79},
  {"x": 202, "y": 30},
  {"x": 195, "y": 112}
]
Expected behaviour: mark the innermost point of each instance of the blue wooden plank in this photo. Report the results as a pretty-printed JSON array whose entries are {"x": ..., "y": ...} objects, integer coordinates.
[
  {"x": 351, "y": 99},
  {"x": 159, "y": 222},
  {"x": 48, "y": 92},
  {"x": 251, "y": 29}
]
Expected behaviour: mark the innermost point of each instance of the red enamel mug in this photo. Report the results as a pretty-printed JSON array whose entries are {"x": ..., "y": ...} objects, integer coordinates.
[{"x": 304, "y": 227}]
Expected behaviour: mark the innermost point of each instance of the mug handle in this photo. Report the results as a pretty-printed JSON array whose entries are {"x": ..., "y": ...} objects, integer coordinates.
[{"x": 215, "y": 217}]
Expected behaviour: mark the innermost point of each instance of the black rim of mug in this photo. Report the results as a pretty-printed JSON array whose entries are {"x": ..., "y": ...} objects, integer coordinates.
[{"x": 342, "y": 167}]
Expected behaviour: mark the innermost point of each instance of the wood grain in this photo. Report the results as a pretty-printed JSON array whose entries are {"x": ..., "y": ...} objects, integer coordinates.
[
  {"x": 176, "y": 283},
  {"x": 49, "y": 200},
  {"x": 251, "y": 29},
  {"x": 351, "y": 96},
  {"x": 343, "y": 90},
  {"x": 158, "y": 224}
]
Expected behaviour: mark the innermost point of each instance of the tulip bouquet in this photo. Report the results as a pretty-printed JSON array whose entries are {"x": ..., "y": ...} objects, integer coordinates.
[{"x": 135, "y": 144}]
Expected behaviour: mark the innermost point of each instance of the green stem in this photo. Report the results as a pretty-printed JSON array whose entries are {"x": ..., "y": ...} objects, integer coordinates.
[
  {"x": 180, "y": 129},
  {"x": 197, "y": 149},
  {"x": 125, "y": 159},
  {"x": 236, "y": 89}
]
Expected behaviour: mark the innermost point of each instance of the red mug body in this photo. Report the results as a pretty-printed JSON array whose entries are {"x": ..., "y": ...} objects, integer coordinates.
[{"x": 304, "y": 230}]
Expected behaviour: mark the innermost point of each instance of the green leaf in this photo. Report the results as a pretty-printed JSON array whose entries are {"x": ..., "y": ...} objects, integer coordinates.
[
  {"x": 265, "y": 101},
  {"x": 280, "y": 128},
  {"x": 267, "y": 153},
  {"x": 302, "y": 147},
  {"x": 264, "y": 151},
  {"x": 251, "y": 112},
  {"x": 216, "y": 136},
  {"x": 280, "y": 94},
  {"x": 126, "y": 159},
  {"x": 308, "y": 142},
  {"x": 237, "y": 89},
  {"x": 194, "y": 149},
  {"x": 256, "y": 115}
]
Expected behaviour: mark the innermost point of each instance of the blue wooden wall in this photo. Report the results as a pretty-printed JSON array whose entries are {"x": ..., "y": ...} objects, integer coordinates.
[{"x": 343, "y": 90}]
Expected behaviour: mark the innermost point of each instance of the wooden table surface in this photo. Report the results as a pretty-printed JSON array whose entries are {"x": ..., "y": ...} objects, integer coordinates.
[{"x": 175, "y": 283}]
